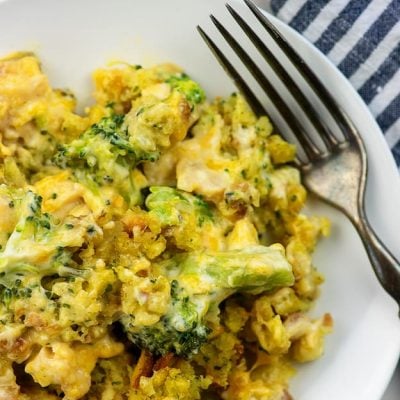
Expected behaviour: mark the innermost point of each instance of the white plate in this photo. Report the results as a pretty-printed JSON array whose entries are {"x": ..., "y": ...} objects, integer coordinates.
[{"x": 73, "y": 37}]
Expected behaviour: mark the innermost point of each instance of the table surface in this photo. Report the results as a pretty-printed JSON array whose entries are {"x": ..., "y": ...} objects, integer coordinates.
[{"x": 393, "y": 391}]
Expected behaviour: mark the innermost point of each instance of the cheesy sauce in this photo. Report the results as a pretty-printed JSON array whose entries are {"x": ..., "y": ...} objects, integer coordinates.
[{"x": 152, "y": 248}]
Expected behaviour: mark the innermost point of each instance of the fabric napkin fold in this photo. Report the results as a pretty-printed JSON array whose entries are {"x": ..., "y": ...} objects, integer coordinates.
[{"x": 362, "y": 38}]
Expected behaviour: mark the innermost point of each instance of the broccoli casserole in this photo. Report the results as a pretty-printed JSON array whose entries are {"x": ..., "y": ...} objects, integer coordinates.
[{"x": 152, "y": 248}]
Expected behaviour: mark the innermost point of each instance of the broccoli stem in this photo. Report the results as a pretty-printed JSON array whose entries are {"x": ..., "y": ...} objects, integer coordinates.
[
  {"x": 254, "y": 269},
  {"x": 199, "y": 282}
]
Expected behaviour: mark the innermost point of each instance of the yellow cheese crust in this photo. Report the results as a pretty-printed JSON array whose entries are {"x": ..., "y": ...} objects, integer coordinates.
[{"x": 82, "y": 251}]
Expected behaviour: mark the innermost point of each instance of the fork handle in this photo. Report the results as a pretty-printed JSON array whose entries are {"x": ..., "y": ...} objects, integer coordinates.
[{"x": 385, "y": 265}]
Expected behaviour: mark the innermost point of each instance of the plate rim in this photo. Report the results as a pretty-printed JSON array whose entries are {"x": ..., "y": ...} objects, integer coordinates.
[{"x": 360, "y": 104}]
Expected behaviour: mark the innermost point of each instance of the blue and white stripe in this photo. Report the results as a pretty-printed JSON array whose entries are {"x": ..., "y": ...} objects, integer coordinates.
[{"x": 362, "y": 37}]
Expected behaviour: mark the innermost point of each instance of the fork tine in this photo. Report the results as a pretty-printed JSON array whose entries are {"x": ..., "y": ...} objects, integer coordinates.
[
  {"x": 326, "y": 135},
  {"x": 339, "y": 115},
  {"x": 252, "y": 100},
  {"x": 254, "y": 103},
  {"x": 308, "y": 145}
]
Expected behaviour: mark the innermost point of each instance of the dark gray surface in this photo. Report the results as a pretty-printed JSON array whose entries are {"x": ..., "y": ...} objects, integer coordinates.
[{"x": 393, "y": 391}]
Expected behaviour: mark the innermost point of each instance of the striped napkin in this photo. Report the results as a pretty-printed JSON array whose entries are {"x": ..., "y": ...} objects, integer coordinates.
[{"x": 362, "y": 38}]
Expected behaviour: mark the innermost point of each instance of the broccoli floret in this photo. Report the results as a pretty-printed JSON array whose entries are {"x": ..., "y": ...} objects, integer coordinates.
[
  {"x": 38, "y": 244},
  {"x": 199, "y": 282},
  {"x": 193, "y": 92},
  {"x": 184, "y": 217},
  {"x": 104, "y": 156},
  {"x": 163, "y": 338},
  {"x": 173, "y": 207},
  {"x": 19, "y": 288},
  {"x": 180, "y": 331},
  {"x": 190, "y": 89}
]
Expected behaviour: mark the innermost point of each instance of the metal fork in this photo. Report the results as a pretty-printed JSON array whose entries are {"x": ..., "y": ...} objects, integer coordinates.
[{"x": 336, "y": 174}]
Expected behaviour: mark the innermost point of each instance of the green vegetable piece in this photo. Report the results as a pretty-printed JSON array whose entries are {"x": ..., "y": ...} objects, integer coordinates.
[
  {"x": 173, "y": 207},
  {"x": 254, "y": 269},
  {"x": 199, "y": 283},
  {"x": 193, "y": 92},
  {"x": 37, "y": 246},
  {"x": 103, "y": 156}
]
